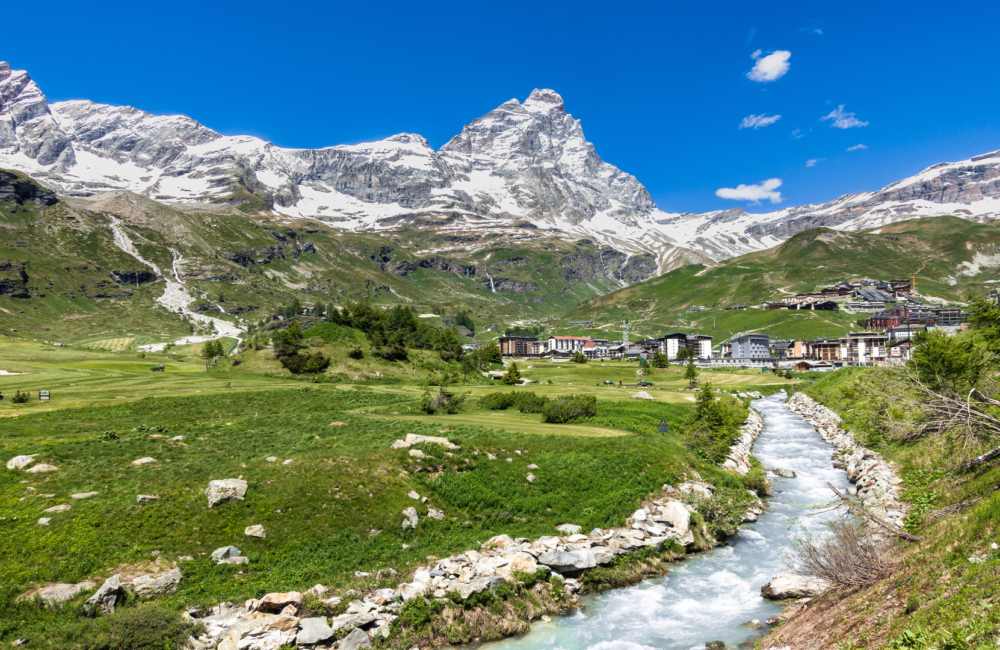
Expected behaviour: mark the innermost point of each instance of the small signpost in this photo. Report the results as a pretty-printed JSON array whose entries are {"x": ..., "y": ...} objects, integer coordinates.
[
  {"x": 663, "y": 427},
  {"x": 44, "y": 394}
]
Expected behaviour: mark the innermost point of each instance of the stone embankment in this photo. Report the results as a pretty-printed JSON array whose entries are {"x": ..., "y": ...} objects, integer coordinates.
[
  {"x": 739, "y": 454},
  {"x": 876, "y": 484}
]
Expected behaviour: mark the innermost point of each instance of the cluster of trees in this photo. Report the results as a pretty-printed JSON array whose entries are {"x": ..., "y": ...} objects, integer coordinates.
[
  {"x": 289, "y": 349},
  {"x": 211, "y": 351},
  {"x": 714, "y": 425},
  {"x": 518, "y": 330},
  {"x": 392, "y": 331}
]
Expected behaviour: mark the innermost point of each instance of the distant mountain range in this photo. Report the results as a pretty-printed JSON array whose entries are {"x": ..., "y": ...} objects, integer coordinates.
[{"x": 523, "y": 164}]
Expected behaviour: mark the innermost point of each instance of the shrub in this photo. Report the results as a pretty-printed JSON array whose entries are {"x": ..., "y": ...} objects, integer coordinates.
[
  {"x": 526, "y": 402},
  {"x": 147, "y": 627},
  {"x": 20, "y": 398},
  {"x": 306, "y": 363},
  {"x": 579, "y": 357},
  {"x": 356, "y": 353},
  {"x": 565, "y": 409},
  {"x": 512, "y": 376},
  {"x": 851, "y": 556},
  {"x": 660, "y": 360},
  {"x": 447, "y": 402},
  {"x": 498, "y": 401},
  {"x": 393, "y": 352},
  {"x": 531, "y": 403}
]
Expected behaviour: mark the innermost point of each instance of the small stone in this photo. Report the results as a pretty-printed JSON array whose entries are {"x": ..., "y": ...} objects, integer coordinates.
[
  {"x": 532, "y": 466},
  {"x": 44, "y": 521},
  {"x": 143, "y": 461},
  {"x": 715, "y": 645},
  {"x": 411, "y": 518},
  {"x": 220, "y": 554},
  {"x": 272, "y": 459},
  {"x": 40, "y": 468},
  {"x": 143, "y": 498},
  {"x": 400, "y": 444},
  {"x": 255, "y": 531},
  {"x": 414, "y": 453},
  {"x": 20, "y": 462},
  {"x": 569, "y": 529},
  {"x": 147, "y": 586},
  {"x": 413, "y": 495},
  {"x": 531, "y": 477},
  {"x": 509, "y": 460},
  {"x": 288, "y": 462},
  {"x": 54, "y": 509},
  {"x": 434, "y": 513},
  {"x": 83, "y": 495}
]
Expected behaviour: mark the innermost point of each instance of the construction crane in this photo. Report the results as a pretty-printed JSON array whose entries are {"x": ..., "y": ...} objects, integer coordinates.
[{"x": 913, "y": 283}]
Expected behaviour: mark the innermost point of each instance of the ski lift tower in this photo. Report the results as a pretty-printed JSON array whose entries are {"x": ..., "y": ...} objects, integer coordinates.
[{"x": 625, "y": 326}]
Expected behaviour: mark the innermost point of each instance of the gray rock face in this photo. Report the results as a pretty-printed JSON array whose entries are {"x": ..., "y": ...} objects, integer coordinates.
[
  {"x": 103, "y": 600},
  {"x": 568, "y": 561},
  {"x": 313, "y": 630},
  {"x": 354, "y": 640},
  {"x": 27, "y": 124},
  {"x": 62, "y": 592},
  {"x": 226, "y": 552},
  {"x": 148, "y": 586},
  {"x": 230, "y": 489},
  {"x": 411, "y": 518},
  {"x": 478, "y": 585}
]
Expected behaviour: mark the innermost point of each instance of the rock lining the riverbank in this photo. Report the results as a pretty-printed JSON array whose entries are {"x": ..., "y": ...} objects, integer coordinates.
[{"x": 875, "y": 479}]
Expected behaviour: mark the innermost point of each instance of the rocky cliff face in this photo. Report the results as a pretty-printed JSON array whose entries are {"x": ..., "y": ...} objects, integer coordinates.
[{"x": 20, "y": 190}]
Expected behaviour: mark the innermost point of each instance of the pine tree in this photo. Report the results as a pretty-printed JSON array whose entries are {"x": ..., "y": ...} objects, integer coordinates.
[
  {"x": 691, "y": 374},
  {"x": 512, "y": 377}
]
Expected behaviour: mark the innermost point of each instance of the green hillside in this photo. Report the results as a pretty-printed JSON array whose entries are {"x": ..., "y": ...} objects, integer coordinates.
[{"x": 950, "y": 256}]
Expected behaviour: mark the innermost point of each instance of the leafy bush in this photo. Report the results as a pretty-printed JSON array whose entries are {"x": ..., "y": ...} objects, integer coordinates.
[
  {"x": 498, "y": 401},
  {"x": 298, "y": 364},
  {"x": 566, "y": 409},
  {"x": 579, "y": 357},
  {"x": 356, "y": 353},
  {"x": 393, "y": 352},
  {"x": 147, "y": 627},
  {"x": 526, "y": 402}
]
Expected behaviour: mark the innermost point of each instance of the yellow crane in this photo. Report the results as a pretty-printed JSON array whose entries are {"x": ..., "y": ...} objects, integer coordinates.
[{"x": 913, "y": 283}]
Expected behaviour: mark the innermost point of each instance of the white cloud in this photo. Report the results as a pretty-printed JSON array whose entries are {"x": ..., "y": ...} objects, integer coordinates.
[
  {"x": 797, "y": 133},
  {"x": 812, "y": 161},
  {"x": 756, "y": 121},
  {"x": 856, "y": 147},
  {"x": 756, "y": 54},
  {"x": 753, "y": 193},
  {"x": 842, "y": 120},
  {"x": 770, "y": 67},
  {"x": 818, "y": 31}
]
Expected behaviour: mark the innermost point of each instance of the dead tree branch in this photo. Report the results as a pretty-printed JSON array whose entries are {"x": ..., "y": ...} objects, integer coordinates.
[{"x": 858, "y": 509}]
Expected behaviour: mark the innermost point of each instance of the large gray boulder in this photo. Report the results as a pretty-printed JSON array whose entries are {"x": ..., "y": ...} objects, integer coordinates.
[
  {"x": 568, "y": 561},
  {"x": 477, "y": 586},
  {"x": 313, "y": 630},
  {"x": 147, "y": 586},
  {"x": 62, "y": 592},
  {"x": 103, "y": 600},
  {"x": 229, "y": 489},
  {"x": 788, "y": 585},
  {"x": 354, "y": 640}
]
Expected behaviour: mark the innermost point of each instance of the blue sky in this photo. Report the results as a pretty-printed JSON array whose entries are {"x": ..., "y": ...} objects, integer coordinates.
[{"x": 662, "y": 88}]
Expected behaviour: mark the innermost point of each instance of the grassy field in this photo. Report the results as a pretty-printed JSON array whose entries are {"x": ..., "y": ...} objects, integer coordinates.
[{"x": 330, "y": 512}]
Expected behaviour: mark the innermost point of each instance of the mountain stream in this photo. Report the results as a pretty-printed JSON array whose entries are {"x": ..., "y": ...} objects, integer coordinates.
[{"x": 710, "y": 596}]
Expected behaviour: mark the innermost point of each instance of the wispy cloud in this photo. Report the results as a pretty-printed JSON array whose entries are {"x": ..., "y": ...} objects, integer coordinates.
[
  {"x": 771, "y": 67},
  {"x": 843, "y": 120},
  {"x": 757, "y": 121},
  {"x": 753, "y": 193},
  {"x": 812, "y": 161},
  {"x": 857, "y": 147},
  {"x": 797, "y": 133}
]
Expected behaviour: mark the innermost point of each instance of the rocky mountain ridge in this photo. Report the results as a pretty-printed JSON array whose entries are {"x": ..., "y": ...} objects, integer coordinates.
[{"x": 522, "y": 164}]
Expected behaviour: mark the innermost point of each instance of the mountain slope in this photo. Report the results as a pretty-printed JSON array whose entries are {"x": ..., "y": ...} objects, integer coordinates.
[
  {"x": 522, "y": 162},
  {"x": 950, "y": 255}
]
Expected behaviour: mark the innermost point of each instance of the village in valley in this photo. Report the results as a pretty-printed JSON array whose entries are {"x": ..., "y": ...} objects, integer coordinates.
[{"x": 891, "y": 314}]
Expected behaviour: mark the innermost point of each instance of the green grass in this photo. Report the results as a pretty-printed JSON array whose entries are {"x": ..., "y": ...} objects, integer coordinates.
[
  {"x": 344, "y": 482},
  {"x": 951, "y": 599}
]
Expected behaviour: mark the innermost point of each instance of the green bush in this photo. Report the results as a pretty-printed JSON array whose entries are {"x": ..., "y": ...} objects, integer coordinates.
[
  {"x": 306, "y": 363},
  {"x": 356, "y": 353},
  {"x": 566, "y": 409},
  {"x": 498, "y": 401},
  {"x": 147, "y": 627},
  {"x": 526, "y": 402}
]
